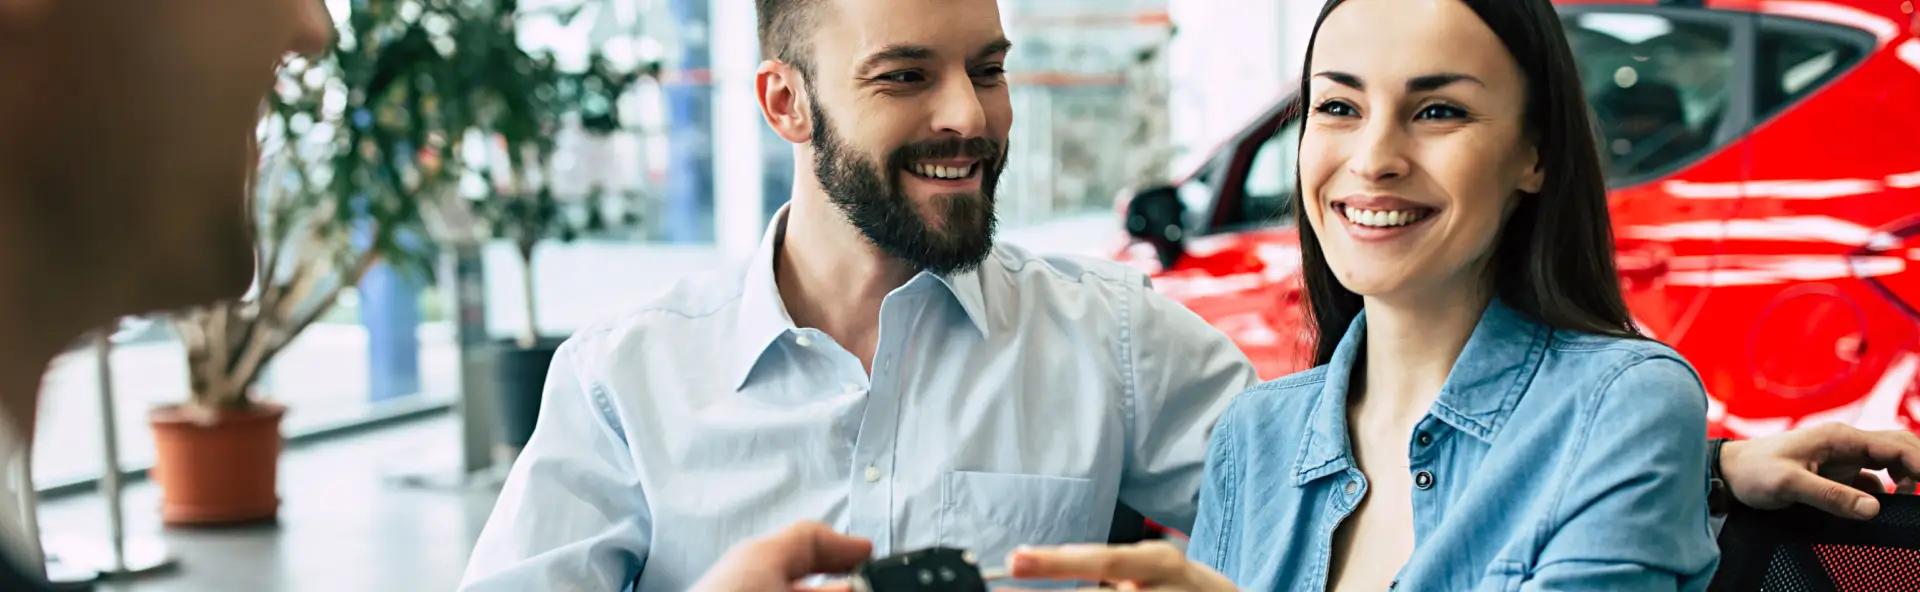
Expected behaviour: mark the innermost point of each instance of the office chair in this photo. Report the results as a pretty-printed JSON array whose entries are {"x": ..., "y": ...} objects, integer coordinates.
[{"x": 1801, "y": 549}]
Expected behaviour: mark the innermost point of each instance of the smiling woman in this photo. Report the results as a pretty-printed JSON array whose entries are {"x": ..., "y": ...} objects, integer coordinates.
[{"x": 1483, "y": 413}]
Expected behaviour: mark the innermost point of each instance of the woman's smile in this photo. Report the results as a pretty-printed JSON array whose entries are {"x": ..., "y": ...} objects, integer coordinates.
[{"x": 1377, "y": 218}]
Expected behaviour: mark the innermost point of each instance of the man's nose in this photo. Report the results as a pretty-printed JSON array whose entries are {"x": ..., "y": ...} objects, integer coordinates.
[
  {"x": 957, "y": 109},
  {"x": 313, "y": 28},
  {"x": 1380, "y": 152}
]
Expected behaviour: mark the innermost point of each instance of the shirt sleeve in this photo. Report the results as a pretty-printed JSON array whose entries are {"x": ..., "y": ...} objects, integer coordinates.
[
  {"x": 1212, "y": 541},
  {"x": 1184, "y": 372},
  {"x": 1634, "y": 514},
  {"x": 571, "y": 515}
]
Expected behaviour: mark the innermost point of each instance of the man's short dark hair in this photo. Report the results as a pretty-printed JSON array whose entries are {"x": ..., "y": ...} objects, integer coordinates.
[{"x": 786, "y": 31}]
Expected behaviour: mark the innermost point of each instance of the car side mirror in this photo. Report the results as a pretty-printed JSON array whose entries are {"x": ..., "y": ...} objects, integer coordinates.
[{"x": 1157, "y": 215}]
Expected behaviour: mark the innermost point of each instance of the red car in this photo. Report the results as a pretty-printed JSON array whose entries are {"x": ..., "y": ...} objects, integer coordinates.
[{"x": 1764, "y": 164}]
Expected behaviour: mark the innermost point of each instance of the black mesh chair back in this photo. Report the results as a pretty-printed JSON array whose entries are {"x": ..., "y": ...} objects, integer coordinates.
[{"x": 1801, "y": 549}]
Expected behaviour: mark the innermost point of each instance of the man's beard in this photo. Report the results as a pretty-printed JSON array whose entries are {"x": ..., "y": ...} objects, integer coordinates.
[{"x": 881, "y": 209}]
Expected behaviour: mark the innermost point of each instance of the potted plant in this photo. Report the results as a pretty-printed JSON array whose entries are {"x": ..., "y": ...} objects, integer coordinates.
[
  {"x": 354, "y": 144},
  {"x": 218, "y": 452},
  {"x": 365, "y": 152}
]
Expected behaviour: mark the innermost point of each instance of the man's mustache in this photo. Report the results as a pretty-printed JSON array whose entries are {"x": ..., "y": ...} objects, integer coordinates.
[{"x": 982, "y": 149}]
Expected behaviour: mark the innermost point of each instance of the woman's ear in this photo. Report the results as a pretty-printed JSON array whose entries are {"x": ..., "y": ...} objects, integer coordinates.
[{"x": 1534, "y": 176}]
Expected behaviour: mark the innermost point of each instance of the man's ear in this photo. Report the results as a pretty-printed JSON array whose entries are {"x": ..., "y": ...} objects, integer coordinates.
[{"x": 783, "y": 101}]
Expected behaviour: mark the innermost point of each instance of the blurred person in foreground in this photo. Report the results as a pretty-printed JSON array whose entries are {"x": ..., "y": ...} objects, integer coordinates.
[
  {"x": 126, "y": 145},
  {"x": 881, "y": 365}
]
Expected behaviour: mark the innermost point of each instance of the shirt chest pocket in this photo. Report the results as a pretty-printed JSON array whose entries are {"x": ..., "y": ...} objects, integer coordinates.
[{"x": 991, "y": 513}]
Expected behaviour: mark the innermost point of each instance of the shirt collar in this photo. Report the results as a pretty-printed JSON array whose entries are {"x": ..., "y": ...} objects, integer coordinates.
[
  {"x": 1483, "y": 387},
  {"x": 763, "y": 319},
  {"x": 966, "y": 289}
]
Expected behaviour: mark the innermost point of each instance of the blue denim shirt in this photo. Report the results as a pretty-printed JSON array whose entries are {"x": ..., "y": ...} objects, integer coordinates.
[{"x": 1553, "y": 460}]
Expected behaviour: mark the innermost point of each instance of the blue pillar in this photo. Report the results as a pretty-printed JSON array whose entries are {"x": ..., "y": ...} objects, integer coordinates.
[
  {"x": 688, "y": 215},
  {"x": 390, "y": 313}
]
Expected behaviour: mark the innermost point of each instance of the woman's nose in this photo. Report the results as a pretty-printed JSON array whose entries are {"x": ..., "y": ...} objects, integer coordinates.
[{"x": 1381, "y": 153}]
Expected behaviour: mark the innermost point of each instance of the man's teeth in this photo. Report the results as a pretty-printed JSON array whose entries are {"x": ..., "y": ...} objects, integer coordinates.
[
  {"x": 942, "y": 172},
  {"x": 1383, "y": 218}
]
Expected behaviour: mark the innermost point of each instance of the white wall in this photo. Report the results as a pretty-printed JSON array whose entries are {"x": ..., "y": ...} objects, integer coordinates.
[
  {"x": 1232, "y": 60},
  {"x": 737, "y": 120},
  {"x": 1229, "y": 62}
]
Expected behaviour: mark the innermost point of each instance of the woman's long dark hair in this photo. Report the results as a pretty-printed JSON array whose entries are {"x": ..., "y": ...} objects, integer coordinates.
[{"x": 1554, "y": 259}]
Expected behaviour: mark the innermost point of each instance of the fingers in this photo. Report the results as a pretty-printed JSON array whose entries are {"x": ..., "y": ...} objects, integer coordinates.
[
  {"x": 1888, "y": 449},
  {"x": 1829, "y": 496},
  {"x": 1149, "y": 564},
  {"x": 809, "y": 548}
]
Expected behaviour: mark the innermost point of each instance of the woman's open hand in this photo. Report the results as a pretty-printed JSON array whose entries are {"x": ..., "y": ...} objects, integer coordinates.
[{"x": 1151, "y": 565}]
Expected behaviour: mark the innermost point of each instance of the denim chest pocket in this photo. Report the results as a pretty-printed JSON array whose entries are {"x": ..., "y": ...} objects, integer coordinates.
[{"x": 991, "y": 513}]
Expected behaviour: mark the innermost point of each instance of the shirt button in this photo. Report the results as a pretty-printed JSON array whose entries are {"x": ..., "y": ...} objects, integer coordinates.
[
  {"x": 1353, "y": 486},
  {"x": 851, "y": 388},
  {"x": 1423, "y": 479},
  {"x": 1425, "y": 439},
  {"x": 803, "y": 341},
  {"x": 873, "y": 474}
]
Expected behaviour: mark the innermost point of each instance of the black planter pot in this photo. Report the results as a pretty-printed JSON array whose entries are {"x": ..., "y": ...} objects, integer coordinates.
[{"x": 522, "y": 375}]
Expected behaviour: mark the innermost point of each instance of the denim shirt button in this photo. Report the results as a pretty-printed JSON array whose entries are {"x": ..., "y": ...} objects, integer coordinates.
[
  {"x": 1352, "y": 487},
  {"x": 1425, "y": 439},
  {"x": 1423, "y": 479}
]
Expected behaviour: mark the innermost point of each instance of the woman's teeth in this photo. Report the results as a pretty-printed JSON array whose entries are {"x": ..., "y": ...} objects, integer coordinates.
[
  {"x": 942, "y": 172},
  {"x": 1384, "y": 219}
]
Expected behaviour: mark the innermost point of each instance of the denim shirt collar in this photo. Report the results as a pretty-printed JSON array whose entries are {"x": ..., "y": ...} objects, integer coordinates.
[
  {"x": 763, "y": 318},
  {"x": 1479, "y": 395}
]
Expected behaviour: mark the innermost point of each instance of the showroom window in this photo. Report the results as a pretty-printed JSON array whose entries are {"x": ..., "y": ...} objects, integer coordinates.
[{"x": 1659, "y": 87}]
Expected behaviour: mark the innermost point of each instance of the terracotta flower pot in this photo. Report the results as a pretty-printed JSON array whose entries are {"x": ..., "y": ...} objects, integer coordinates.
[{"x": 220, "y": 472}]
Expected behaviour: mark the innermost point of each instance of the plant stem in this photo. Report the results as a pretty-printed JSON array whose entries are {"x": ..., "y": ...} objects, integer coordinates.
[{"x": 530, "y": 332}]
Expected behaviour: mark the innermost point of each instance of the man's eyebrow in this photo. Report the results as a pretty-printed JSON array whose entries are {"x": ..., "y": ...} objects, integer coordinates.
[
  {"x": 1417, "y": 84},
  {"x": 1000, "y": 45},
  {"x": 893, "y": 53}
]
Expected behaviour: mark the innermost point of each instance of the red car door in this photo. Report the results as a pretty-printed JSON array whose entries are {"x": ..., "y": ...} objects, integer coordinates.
[{"x": 1814, "y": 296}]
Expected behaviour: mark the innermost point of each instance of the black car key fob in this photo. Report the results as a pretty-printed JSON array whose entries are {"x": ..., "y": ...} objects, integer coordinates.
[{"x": 936, "y": 569}]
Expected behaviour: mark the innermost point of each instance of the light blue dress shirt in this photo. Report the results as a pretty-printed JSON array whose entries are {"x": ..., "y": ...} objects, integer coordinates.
[
  {"x": 1551, "y": 460},
  {"x": 1010, "y": 405}
]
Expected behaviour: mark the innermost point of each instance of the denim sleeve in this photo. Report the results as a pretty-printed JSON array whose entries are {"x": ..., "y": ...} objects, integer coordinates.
[
  {"x": 1633, "y": 515},
  {"x": 571, "y": 515},
  {"x": 1183, "y": 374},
  {"x": 1211, "y": 543}
]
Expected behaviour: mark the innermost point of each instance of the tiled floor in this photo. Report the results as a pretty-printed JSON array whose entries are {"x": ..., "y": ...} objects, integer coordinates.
[{"x": 346, "y": 523}]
